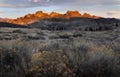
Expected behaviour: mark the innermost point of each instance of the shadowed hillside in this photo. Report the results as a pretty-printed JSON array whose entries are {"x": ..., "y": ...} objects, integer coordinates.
[
  {"x": 10, "y": 25},
  {"x": 75, "y": 23},
  {"x": 83, "y": 24}
]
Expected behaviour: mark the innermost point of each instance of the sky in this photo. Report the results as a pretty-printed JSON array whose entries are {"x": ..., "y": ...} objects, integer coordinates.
[{"x": 18, "y": 8}]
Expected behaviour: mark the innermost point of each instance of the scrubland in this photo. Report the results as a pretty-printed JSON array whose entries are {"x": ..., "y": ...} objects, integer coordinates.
[{"x": 43, "y": 53}]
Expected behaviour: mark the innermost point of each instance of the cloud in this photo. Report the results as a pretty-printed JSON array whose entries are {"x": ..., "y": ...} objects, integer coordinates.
[
  {"x": 111, "y": 13},
  {"x": 15, "y": 6},
  {"x": 6, "y": 5},
  {"x": 2, "y": 12},
  {"x": 47, "y": 0},
  {"x": 37, "y": 3}
]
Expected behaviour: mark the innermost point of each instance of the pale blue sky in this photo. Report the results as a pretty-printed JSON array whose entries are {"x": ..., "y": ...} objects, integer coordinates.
[{"x": 17, "y": 8}]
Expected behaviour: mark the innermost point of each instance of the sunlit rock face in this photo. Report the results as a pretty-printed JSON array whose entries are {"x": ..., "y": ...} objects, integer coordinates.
[
  {"x": 53, "y": 14},
  {"x": 56, "y": 15},
  {"x": 86, "y": 15},
  {"x": 41, "y": 14},
  {"x": 30, "y": 18},
  {"x": 70, "y": 14}
]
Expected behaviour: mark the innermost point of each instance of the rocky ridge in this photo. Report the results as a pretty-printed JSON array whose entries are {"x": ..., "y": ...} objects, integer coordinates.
[{"x": 30, "y": 18}]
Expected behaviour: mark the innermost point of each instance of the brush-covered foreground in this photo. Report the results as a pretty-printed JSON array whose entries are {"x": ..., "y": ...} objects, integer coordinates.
[{"x": 43, "y": 53}]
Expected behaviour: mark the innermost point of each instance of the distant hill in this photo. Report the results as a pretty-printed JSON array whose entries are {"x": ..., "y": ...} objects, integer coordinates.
[{"x": 71, "y": 20}]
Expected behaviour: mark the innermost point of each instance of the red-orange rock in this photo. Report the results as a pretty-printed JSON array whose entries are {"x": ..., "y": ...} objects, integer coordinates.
[
  {"x": 29, "y": 18},
  {"x": 73, "y": 14},
  {"x": 40, "y": 14},
  {"x": 86, "y": 15}
]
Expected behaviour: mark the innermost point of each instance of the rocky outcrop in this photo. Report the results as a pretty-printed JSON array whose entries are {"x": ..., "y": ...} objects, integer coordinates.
[
  {"x": 86, "y": 15},
  {"x": 70, "y": 14},
  {"x": 30, "y": 18},
  {"x": 40, "y": 14},
  {"x": 56, "y": 15}
]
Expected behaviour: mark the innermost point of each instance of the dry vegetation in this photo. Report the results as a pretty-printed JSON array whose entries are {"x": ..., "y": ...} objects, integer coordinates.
[{"x": 59, "y": 54}]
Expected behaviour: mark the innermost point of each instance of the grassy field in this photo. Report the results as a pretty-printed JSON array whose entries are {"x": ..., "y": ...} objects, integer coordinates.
[{"x": 43, "y": 53}]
